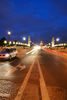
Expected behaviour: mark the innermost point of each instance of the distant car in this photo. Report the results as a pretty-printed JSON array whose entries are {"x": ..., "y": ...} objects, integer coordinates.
[{"x": 8, "y": 53}]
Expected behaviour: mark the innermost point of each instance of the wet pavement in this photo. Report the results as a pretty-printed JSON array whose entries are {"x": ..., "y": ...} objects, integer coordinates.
[{"x": 13, "y": 73}]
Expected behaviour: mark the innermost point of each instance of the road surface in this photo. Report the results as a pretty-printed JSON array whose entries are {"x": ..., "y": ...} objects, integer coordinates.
[{"x": 34, "y": 75}]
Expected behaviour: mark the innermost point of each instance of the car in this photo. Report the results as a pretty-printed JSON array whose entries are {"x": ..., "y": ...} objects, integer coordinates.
[{"x": 8, "y": 53}]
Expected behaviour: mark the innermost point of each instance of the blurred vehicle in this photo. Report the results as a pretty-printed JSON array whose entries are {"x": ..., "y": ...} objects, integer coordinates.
[{"x": 8, "y": 53}]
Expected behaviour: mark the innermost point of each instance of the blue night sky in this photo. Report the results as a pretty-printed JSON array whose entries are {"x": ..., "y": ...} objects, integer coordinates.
[{"x": 41, "y": 19}]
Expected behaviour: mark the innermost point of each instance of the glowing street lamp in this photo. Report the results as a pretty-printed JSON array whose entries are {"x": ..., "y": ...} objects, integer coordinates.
[
  {"x": 9, "y": 33},
  {"x": 10, "y": 42},
  {"x": 13, "y": 42},
  {"x": 16, "y": 43},
  {"x": 5, "y": 42},
  {"x": 57, "y": 39},
  {"x": 24, "y": 38}
]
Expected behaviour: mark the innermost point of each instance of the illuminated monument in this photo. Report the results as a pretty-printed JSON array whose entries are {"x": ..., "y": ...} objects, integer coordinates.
[
  {"x": 53, "y": 42},
  {"x": 29, "y": 41}
]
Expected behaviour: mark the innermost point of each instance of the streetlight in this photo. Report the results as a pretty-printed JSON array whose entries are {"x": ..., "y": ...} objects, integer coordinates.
[
  {"x": 5, "y": 42},
  {"x": 10, "y": 42},
  {"x": 9, "y": 33},
  {"x": 24, "y": 38},
  {"x": 13, "y": 43},
  {"x": 57, "y": 39}
]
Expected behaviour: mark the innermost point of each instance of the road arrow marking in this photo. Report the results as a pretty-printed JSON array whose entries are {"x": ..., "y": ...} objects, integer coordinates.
[{"x": 22, "y": 67}]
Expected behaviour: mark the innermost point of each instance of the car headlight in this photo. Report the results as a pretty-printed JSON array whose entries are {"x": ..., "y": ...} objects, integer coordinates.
[
  {"x": 7, "y": 55},
  {"x": 37, "y": 47}
]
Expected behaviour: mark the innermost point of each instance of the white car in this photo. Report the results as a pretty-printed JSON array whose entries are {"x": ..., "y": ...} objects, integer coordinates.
[{"x": 8, "y": 53}]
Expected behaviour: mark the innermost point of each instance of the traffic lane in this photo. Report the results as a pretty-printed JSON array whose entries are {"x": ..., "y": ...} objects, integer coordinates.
[
  {"x": 55, "y": 57},
  {"x": 54, "y": 70},
  {"x": 55, "y": 52}
]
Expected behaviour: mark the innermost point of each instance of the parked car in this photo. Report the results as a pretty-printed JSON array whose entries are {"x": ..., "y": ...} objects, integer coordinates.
[{"x": 8, "y": 53}]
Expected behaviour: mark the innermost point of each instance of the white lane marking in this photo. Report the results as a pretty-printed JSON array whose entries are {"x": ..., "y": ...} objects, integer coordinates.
[
  {"x": 22, "y": 67},
  {"x": 24, "y": 84},
  {"x": 43, "y": 87},
  {"x": 30, "y": 52}
]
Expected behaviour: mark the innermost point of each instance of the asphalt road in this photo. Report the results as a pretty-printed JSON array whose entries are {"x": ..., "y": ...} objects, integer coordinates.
[
  {"x": 54, "y": 70},
  {"x": 14, "y": 72}
]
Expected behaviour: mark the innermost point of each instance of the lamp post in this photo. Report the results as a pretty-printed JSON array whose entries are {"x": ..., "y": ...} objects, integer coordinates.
[
  {"x": 57, "y": 40},
  {"x": 9, "y": 33},
  {"x": 24, "y": 39},
  {"x": 10, "y": 42},
  {"x": 5, "y": 42},
  {"x": 14, "y": 43}
]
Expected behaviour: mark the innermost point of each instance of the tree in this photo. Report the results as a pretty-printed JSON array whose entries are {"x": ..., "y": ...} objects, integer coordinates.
[{"x": 2, "y": 41}]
